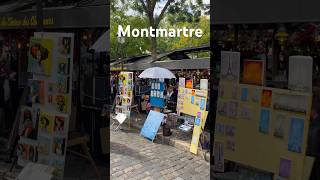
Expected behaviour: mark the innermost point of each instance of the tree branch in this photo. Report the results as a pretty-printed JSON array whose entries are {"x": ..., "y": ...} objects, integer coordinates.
[
  {"x": 162, "y": 12},
  {"x": 144, "y": 6}
]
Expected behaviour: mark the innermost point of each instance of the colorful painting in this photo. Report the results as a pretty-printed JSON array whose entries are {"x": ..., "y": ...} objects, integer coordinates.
[
  {"x": 64, "y": 45},
  {"x": 285, "y": 168},
  {"x": 280, "y": 125},
  {"x": 296, "y": 135},
  {"x": 63, "y": 84},
  {"x": 46, "y": 123},
  {"x": 27, "y": 127},
  {"x": 264, "y": 121},
  {"x": 182, "y": 82},
  {"x": 36, "y": 94},
  {"x": 255, "y": 95},
  {"x": 44, "y": 145},
  {"x": 253, "y": 72},
  {"x": 244, "y": 94},
  {"x": 59, "y": 125},
  {"x": 62, "y": 103},
  {"x": 189, "y": 83},
  {"x": 266, "y": 98},
  {"x": 63, "y": 66},
  {"x": 40, "y": 56},
  {"x": 58, "y": 146}
]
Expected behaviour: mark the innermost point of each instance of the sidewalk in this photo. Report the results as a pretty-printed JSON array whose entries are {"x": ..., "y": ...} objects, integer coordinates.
[{"x": 177, "y": 139}]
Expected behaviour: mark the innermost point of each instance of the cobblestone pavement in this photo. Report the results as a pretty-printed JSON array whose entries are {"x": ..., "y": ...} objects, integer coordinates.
[{"x": 134, "y": 157}]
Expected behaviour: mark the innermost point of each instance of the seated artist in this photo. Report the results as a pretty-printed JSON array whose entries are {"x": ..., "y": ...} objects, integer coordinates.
[{"x": 313, "y": 148}]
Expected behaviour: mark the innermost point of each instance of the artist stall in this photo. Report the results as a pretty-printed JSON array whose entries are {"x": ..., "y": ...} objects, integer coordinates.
[
  {"x": 261, "y": 127},
  {"x": 45, "y": 116}
]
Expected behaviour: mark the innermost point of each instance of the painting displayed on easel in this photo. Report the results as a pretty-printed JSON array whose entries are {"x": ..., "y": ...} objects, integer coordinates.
[
  {"x": 44, "y": 123},
  {"x": 125, "y": 94}
]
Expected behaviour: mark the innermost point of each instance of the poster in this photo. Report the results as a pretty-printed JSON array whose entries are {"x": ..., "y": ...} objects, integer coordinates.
[
  {"x": 285, "y": 168},
  {"x": 300, "y": 73},
  {"x": 204, "y": 84},
  {"x": 27, "y": 127},
  {"x": 266, "y": 98},
  {"x": 36, "y": 94},
  {"x": 253, "y": 72},
  {"x": 230, "y": 66},
  {"x": 125, "y": 96},
  {"x": 151, "y": 125},
  {"x": 264, "y": 121},
  {"x": 218, "y": 156},
  {"x": 189, "y": 83},
  {"x": 46, "y": 123},
  {"x": 40, "y": 56},
  {"x": 182, "y": 82},
  {"x": 296, "y": 134}
]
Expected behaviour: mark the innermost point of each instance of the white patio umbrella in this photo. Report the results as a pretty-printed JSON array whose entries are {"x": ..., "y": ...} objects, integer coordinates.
[{"x": 157, "y": 73}]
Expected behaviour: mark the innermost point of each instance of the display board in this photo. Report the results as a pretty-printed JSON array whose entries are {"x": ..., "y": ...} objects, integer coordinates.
[
  {"x": 44, "y": 123},
  {"x": 265, "y": 128},
  {"x": 125, "y": 93},
  {"x": 193, "y": 102},
  {"x": 157, "y": 94}
]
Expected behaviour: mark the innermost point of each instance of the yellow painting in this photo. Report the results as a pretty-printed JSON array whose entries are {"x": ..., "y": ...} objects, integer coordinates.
[
  {"x": 40, "y": 56},
  {"x": 46, "y": 122}
]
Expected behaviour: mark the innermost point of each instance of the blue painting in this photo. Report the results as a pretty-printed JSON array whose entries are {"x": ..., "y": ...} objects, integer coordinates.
[
  {"x": 151, "y": 125},
  {"x": 197, "y": 121},
  {"x": 157, "y": 97},
  {"x": 244, "y": 94},
  {"x": 192, "y": 99},
  {"x": 264, "y": 121},
  {"x": 296, "y": 135},
  {"x": 202, "y": 104}
]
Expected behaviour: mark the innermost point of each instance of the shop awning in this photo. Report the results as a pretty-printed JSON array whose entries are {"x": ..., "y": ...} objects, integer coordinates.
[
  {"x": 102, "y": 44},
  {"x": 266, "y": 11}
]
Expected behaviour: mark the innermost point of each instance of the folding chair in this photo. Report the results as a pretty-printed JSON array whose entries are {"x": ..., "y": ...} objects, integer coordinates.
[{"x": 120, "y": 117}]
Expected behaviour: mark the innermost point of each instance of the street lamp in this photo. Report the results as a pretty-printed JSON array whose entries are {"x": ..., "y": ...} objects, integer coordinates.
[{"x": 121, "y": 40}]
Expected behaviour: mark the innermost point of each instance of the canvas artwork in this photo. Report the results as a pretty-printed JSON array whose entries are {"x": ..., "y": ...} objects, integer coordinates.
[
  {"x": 44, "y": 145},
  {"x": 253, "y": 72},
  {"x": 28, "y": 123},
  {"x": 62, "y": 84},
  {"x": 280, "y": 125},
  {"x": 296, "y": 134},
  {"x": 266, "y": 98},
  {"x": 27, "y": 151},
  {"x": 46, "y": 122},
  {"x": 245, "y": 112},
  {"x": 58, "y": 146},
  {"x": 285, "y": 168},
  {"x": 40, "y": 56},
  {"x": 255, "y": 95},
  {"x": 63, "y": 66},
  {"x": 62, "y": 103},
  {"x": 291, "y": 103},
  {"x": 264, "y": 121},
  {"x": 59, "y": 125},
  {"x": 232, "y": 109},
  {"x": 300, "y": 73},
  {"x": 64, "y": 45},
  {"x": 36, "y": 94},
  {"x": 204, "y": 84},
  {"x": 189, "y": 83},
  {"x": 230, "y": 66},
  {"x": 244, "y": 94}
]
